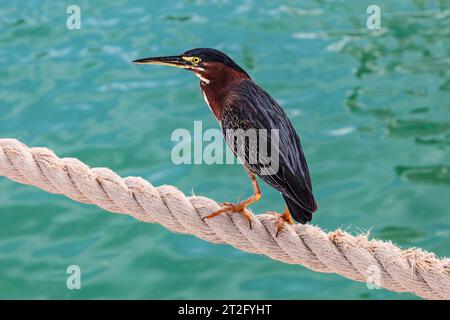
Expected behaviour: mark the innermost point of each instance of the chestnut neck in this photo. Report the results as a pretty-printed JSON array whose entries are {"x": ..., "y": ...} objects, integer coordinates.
[{"x": 218, "y": 86}]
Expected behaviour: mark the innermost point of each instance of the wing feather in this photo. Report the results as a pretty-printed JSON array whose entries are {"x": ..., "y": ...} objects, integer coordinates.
[{"x": 250, "y": 107}]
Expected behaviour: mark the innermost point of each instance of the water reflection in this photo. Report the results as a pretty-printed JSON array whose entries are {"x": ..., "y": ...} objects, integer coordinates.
[{"x": 437, "y": 174}]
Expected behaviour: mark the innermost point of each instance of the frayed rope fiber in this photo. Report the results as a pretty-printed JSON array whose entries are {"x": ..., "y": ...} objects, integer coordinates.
[{"x": 353, "y": 257}]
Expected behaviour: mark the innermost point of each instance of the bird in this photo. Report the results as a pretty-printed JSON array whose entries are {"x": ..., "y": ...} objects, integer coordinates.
[{"x": 237, "y": 102}]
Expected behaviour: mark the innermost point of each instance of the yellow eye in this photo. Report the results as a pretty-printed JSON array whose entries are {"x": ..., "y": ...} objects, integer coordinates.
[{"x": 196, "y": 60}]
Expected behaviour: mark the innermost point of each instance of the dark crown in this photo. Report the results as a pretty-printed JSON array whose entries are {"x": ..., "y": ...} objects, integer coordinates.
[{"x": 213, "y": 55}]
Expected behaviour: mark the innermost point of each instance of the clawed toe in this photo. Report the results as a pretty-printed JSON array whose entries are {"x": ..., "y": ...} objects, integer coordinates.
[
  {"x": 282, "y": 219},
  {"x": 232, "y": 208},
  {"x": 280, "y": 226}
]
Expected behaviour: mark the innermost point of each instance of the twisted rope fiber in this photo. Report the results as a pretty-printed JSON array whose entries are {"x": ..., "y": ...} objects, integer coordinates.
[{"x": 354, "y": 257}]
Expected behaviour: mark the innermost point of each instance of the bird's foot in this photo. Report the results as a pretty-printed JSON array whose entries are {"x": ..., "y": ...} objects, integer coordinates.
[
  {"x": 228, "y": 207},
  {"x": 282, "y": 219}
]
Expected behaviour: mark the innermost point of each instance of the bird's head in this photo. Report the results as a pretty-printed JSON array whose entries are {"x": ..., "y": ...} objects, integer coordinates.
[{"x": 208, "y": 64}]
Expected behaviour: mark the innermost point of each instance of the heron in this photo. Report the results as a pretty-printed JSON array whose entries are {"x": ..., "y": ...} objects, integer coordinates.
[{"x": 238, "y": 103}]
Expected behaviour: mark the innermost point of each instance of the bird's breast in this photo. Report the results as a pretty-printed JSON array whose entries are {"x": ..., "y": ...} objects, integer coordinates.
[{"x": 216, "y": 92}]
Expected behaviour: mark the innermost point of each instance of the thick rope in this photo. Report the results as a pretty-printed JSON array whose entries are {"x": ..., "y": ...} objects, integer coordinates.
[{"x": 353, "y": 257}]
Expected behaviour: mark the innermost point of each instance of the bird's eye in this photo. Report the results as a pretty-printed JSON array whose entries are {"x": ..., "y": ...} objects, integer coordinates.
[{"x": 196, "y": 60}]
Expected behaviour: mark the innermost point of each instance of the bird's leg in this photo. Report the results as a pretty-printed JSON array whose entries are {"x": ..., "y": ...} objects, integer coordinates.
[
  {"x": 282, "y": 219},
  {"x": 240, "y": 207}
]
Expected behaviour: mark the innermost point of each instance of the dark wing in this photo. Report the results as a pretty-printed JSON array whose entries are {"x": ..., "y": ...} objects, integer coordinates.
[{"x": 249, "y": 107}]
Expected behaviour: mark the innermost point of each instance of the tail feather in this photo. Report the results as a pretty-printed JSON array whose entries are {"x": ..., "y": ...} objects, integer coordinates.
[{"x": 298, "y": 213}]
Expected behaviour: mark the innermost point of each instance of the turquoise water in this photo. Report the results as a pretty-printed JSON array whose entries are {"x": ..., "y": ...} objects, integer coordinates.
[{"x": 372, "y": 108}]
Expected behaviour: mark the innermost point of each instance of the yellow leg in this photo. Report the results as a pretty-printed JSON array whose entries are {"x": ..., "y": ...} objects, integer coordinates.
[
  {"x": 240, "y": 207},
  {"x": 282, "y": 219}
]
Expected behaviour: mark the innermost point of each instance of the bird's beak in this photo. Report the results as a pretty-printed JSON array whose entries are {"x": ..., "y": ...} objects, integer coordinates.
[{"x": 172, "y": 61}]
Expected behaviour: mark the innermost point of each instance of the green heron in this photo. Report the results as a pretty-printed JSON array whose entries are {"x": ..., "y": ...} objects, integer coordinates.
[{"x": 239, "y": 103}]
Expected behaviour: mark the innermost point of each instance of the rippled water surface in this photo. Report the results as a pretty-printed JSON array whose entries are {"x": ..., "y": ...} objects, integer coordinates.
[{"x": 372, "y": 108}]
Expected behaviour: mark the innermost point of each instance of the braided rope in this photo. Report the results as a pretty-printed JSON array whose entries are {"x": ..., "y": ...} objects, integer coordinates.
[{"x": 353, "y": 257}]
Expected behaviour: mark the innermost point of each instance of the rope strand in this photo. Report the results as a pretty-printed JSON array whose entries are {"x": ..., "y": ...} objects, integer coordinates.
[{"x": 353, "y": 257}]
